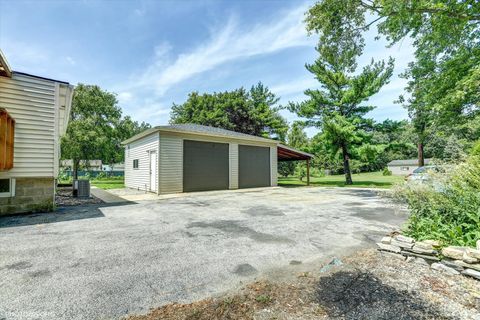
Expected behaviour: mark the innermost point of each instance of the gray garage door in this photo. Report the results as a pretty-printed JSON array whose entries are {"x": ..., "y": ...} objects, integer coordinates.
[
  {"x": 205, "y": 166},
  {"x": 253, "y": 166}
]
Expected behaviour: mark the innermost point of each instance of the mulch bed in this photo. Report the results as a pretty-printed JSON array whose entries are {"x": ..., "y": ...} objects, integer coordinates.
[
  {"x": 366, "y": 285},
  {"x": 64, "y": 198}
]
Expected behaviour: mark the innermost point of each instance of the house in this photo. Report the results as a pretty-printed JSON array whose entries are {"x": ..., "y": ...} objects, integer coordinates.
[
  {"x": 34, "y": 113},
  {"x": 189, "y": 157},
  {"x": 404, "y": 167}
]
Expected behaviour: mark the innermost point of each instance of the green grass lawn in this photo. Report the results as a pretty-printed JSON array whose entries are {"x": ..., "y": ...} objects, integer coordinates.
[
  {"x": 363, "y": 180},
  {"x": 108, "y": 184}
]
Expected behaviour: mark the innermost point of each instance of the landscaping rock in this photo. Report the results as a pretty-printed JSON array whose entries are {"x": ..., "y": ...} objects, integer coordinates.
[
  {"x": 467, "y": 265},
  {"x": 443, "y": 268},
  {"x": 405, "y": 239},
  {"x": 386, "y": 240},
  {"x": 471, "y": 273},
  {"x": 475, "y": 253},
  {"x": 423, "y": 256},
  {"x": 427, "y": 244},
  {"x": 423, "y": 251},
  {"x": 401, "y": 244},
  {"x": 468, "y": 259},
  {"x": 389, "y": 247},
  {"x": 454, "y": 252},
  {"x": 452, "y": 265}
]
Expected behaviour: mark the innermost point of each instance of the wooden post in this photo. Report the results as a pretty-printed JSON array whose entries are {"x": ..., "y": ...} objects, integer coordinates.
[{"x": 308, "y": 172}]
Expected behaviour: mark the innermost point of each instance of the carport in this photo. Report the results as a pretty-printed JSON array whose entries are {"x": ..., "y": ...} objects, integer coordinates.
[{"x": 285, "y": 153}]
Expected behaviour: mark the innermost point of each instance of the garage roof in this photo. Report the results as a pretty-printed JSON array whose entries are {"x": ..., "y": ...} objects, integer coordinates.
[
  {"x": 200, "y": 130},
  {"x": 284, "y": 152}
]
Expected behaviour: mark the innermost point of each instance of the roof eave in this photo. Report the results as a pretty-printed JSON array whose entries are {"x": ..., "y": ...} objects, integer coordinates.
[{"x": 5, "y": 67}]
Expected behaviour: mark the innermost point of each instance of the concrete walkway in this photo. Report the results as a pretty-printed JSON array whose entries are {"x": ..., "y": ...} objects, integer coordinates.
[{"x": 106, "y": 196}]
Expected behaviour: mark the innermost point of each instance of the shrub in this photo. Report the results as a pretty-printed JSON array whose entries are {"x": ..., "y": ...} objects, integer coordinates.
[
  {"x": 447, "y": 206},
  {"x": 386, "y": 172}
]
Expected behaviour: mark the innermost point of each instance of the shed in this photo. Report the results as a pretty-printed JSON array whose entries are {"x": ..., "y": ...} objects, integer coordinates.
[
  {"x": 191, "y": 157},
  {"x": 404, "y": 167}
]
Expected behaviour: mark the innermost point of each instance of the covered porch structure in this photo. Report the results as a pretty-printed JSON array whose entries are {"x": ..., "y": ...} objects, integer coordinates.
[{"x": 285, "y": 153}]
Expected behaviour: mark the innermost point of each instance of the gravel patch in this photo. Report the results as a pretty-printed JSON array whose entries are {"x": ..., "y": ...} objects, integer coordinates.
[{"x": 64, "y": 198}]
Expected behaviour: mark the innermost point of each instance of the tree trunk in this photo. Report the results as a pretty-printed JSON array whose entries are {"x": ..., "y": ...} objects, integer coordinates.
[
  {"x": 346, "y": 165},
  {"x": 75, "y": 164},
  {"x": 421, "y": 159}
]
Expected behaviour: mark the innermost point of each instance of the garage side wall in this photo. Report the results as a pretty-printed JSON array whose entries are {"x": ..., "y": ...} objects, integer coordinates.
[
  {"x": 273, "y": 166},
  {"x": 139, "y": 150}
]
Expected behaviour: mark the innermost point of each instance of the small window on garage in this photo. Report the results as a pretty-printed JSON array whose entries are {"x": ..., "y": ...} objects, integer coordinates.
[
  {"x": 404, "y": 168},
  {"x": 135, "y": 164},
  {"x": 7, "y": 187}
]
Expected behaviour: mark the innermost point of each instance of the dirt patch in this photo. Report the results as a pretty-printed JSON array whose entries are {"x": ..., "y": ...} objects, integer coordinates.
[
  {"x": 366, "y": 285},
  {"x": 64, "y": 198}
]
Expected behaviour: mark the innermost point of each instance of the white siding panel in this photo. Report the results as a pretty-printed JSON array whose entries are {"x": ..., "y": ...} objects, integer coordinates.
[
  {"x": 140, "y": 178},
  {"x": 171, "y": 164},
  {"x": 31, "y": 103},
  {"x": 233, "y": 165},
  {"x": 273, "y": 166}
]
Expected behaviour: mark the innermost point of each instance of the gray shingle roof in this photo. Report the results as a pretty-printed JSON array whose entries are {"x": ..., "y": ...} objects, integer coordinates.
[
  {"x": 407, "y": 162},
  {"x": 199, "y": 129}
]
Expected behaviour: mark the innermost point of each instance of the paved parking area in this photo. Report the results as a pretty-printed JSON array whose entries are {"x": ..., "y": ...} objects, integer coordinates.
[{"x": 104, "y": 262}]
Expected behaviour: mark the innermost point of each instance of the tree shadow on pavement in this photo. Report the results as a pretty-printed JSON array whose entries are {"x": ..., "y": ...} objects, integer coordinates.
[
  {"x": 68, "y": 213},
  {"x": 361, "y": 295}
]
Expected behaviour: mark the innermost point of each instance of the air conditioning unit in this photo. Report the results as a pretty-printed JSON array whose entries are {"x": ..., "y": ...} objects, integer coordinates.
[{"x": 81, "y": 188}]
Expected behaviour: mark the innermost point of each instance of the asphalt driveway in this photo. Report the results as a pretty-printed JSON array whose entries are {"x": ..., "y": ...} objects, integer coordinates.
[{"x": 106, "y": 262}]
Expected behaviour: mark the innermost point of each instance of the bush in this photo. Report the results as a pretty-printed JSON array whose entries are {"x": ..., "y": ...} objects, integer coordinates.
[
  {"x": 386, "y": 172},
  {"x": 447, "y": 207}
]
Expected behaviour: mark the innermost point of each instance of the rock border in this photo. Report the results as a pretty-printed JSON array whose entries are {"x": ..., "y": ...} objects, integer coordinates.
[{"x": 452, "y": 260}]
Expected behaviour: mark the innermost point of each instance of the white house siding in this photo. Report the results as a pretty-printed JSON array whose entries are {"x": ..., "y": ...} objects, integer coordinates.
[
  {"x": 233, "y": 158},
  {"x": 31, "y": 103},
  {"x": 273, "y": 166},
  {"x": 171, "y": 163},
  {"x": 140, "y": 149}
]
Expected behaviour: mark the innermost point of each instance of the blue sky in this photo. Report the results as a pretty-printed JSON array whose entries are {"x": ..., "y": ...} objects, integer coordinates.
[{"x": 153, "y": 53}]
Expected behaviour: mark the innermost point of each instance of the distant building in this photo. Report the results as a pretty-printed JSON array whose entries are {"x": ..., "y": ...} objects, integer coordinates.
[
  {"x": 404, "y": 167},
  {"x": 114, "y": 167},
  {"x": 91, "y": 165}
]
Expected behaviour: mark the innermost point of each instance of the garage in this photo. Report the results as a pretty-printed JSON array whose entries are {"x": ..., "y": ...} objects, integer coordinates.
[
  {"x": 253, "y": 166},
  {"x": 193, "y": 157},
  {"x": 205, "y": 166}
]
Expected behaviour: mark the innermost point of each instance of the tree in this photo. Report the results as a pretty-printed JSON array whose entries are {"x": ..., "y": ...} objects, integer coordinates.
[
  {"x": 297, "y": 138},
  {"x": 445, "y": 76},
  {"x": 92, "y": 120},
  {"x": 252, "y": 112},
  {"x": 338, "y": 108},
  {"x": 96, "y": 128}
]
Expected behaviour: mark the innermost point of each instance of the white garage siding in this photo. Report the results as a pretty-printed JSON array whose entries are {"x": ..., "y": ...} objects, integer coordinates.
[
  {"x": 273, "y": 166},
  {"x": 140, "y": 150},
  {"x": 171, "y": 163},
  {"x": 35, "y": 105},
  {"x": 233, "y": 157}
]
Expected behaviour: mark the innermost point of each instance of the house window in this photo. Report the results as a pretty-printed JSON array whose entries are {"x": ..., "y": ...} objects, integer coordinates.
[
  {"x": 7, "y": 127},
  {"x": 7, "y": 187},
  {"x": 404, "y": 168},
  {"x": 135, "y": 164}
]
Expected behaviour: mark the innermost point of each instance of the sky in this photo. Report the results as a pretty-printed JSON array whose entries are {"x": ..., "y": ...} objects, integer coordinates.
[{"x": 154, "y": 53}]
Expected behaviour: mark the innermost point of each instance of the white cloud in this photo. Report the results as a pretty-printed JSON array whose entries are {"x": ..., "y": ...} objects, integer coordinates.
[
  {"x": 71, "y": 60},
  {"x": 226, "y": 44}
]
